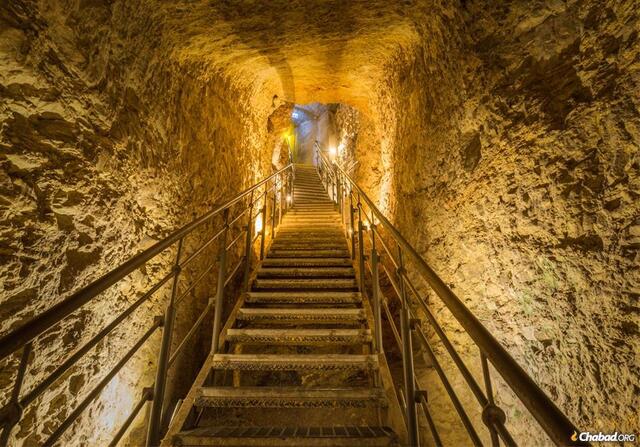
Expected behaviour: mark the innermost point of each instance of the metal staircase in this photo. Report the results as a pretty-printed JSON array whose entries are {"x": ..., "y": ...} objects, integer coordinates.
[
  {"x": 298, "y": 366},
  {"x": 297, "y": 355}
]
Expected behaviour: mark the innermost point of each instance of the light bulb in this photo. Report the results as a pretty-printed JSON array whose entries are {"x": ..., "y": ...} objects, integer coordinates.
[
  {"x": 333, "y": 151},
  {"x": 288, "y": 198},
  {"x": 258, "y": 225}
]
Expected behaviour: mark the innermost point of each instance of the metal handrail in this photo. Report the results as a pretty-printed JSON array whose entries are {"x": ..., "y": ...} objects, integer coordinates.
[
  {"x": 11, "y": 413},
  {"x": 39, "y": 324},
  {"x": 555, "y": 423}
]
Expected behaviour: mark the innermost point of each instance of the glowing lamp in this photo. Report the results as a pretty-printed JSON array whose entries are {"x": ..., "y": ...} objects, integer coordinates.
[
  {"x": 288, "y": 198},
  {"x": 258, "y": 225},
  {"x": 333, "y": 151}
]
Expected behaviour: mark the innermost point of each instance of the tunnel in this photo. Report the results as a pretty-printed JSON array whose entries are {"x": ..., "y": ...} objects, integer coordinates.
[{"x": 468, "y": 171}]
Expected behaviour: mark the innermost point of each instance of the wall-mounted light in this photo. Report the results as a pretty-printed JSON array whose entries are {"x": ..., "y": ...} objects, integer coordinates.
[
  {"x": 333, "y": 151},
  {"x": 288, "y": 198},
  {"x": 258, "y": 224}
]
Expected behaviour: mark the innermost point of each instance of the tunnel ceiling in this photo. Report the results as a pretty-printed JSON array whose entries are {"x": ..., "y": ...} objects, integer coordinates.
[{"x": 329, "y": 51}]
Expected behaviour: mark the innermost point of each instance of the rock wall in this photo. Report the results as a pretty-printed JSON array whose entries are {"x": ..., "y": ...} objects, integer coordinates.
[
  {"x": 507, "y": 151},
  {"x": 112, "y": 134}
]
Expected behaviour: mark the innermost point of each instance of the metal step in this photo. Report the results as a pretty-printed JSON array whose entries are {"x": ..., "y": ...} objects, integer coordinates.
[
  {"x": 300, "y": 315},
  {"x": 345, "y": 436},
  {"x": 309, "y": 253},
  {"x": 299, "y": 337},
  {"x": 278, "y": 245},
  {"x": 334, "y": 272},
  {"x": 293, "y": 297},
  {"x": 306, "y": 262},
  {"x": 289, "y": 397},
  {"x": 294, "y": 362},
  {"x": 305, "y": 283}
]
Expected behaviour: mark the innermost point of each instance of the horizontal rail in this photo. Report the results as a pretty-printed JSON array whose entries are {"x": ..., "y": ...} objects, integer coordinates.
[
  {"x": 427, "y": 413},
  {"x": 60, "y": 370},
  {"x": 556, "y": 424},
  {"x": 195, "y": 282},
  {"x": 103, "y": 383},
  {"x": 47, "y": 319},
  {"x": 190, "y": 334},
  {"x": 233, "y": 272},
  {"x": 235, "y": 240},
  {"x": 200, "y": 249},
  {"x": 471, "y": 431},
  {"x": 147, "y": 395}
]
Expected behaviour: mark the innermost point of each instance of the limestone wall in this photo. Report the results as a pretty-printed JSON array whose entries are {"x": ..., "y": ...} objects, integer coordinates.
[
  {"x": 506, "y": 146},
  {"x": 110, "y": 138}
]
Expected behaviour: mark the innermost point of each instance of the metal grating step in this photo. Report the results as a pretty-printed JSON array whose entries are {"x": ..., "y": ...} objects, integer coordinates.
[
  {"x": 289, "y": 397},
  {"x": 297, "y": 297},
  {"x": 301, "y": 315},
  {"x": 294, "y": 362},
  {"x": 299, "y": 337}
]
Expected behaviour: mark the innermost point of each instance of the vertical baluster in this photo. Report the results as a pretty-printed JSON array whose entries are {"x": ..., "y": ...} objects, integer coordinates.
[
  {"x": 352, "y": 234},
  {"x": 375, "y": 279},
  {"x": 495, "y": 441},
  {"x": 155, "y": 418},
  {"x": 14, "y": 410},
  {"x": 292, "y": 186},
  {"x": 337, "y": 181},
  {"x": 263, "y": 219},
  {"x": 407, "y": 357},
  {"x": 280, "y": 205},
  {"x": 274, "y": 208},
  {"x": 222, "y": 277},
  {"x": 247, "y": 246},
  {"x": 360, "y": 246}
]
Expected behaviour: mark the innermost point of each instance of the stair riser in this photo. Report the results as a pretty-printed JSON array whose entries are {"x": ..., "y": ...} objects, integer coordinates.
[
  {"x": 198, "y": 441},
  {"x": 292, "y": 284},
  {"x": 309, "y": 246},
  {"x": 295, "y": 363},
  {"x": 309, "y": 253},
  {"x": 300, "y": 262},
  {"x": 300, "y": 342},
  {"x": 297, "y": 273}
]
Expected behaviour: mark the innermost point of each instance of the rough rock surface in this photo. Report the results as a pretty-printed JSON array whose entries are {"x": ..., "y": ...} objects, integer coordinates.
[
  {"x": 109, "y": 140},
  {"x": 501, "y": 137},
  {"x": 507, "y": 150}
]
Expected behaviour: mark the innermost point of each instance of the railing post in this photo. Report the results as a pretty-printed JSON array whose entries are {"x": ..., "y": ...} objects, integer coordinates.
[
  {"x": 407, "y": 358},
  {"x": 375, "y": 279},
  {"x": 247, "y": 246},
  {"x": 264, "y": 223},
  {"x": 155, "y": 418},
  {"x": 222, "y": 273},
  {"x": 352, "y": 234},
  {"x": 274, "y": 208},
  {"x": 280, "y": 208},
  {"x": 360, "y": 246}
]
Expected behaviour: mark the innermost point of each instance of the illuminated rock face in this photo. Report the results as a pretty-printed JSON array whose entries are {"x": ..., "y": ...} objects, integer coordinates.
[{"x": 503, "y": 141}]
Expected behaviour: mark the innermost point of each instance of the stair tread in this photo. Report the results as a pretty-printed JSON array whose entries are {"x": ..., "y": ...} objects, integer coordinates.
[
  {"x": 299, "y": 262},
  {"x": 309, "y": 297},
  {"x": 346, "y": 270},
  {"x": 299, "y": 336},
  {"x": 300, "y": 313},
  {"x": 290, "y": 394},
  {"x": 291, "y": 432},
  {"x": 292, "y": 362},
  {"x": 297, "y": 283}
]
